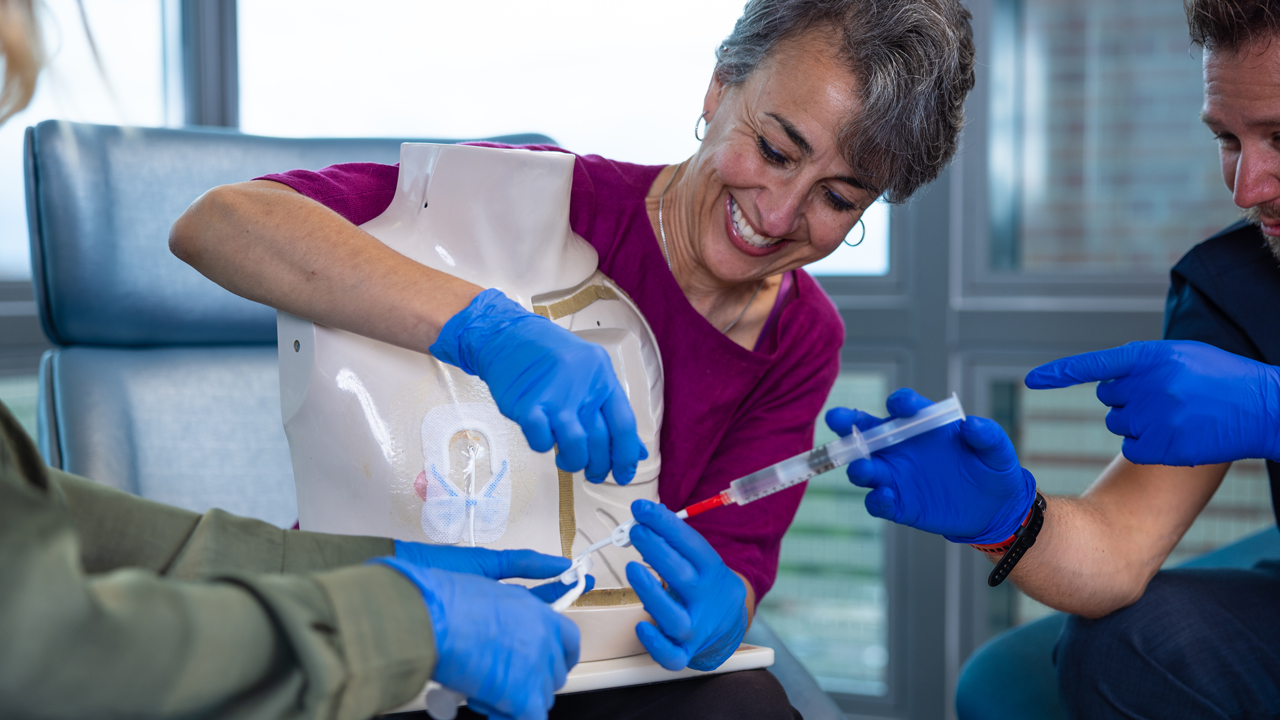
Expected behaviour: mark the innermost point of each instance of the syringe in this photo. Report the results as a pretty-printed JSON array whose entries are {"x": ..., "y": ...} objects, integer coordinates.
[
  {"x": 841, "y": 451},
  {"x": 795, "y": 470}
]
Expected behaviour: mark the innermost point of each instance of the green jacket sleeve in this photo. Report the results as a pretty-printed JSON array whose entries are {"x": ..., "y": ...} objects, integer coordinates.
[
  {"x": 117, "y": 529},
  {"x": 99, "y": 630}
]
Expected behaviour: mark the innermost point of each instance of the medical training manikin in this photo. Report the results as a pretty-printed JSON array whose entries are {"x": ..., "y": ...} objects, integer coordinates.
[{"x": 391, "y": 442}]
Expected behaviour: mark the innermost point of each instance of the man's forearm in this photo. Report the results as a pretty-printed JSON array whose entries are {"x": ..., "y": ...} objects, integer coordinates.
[
  {"x": 1096, "y": 553},
  {"x": 1074, "y": 567}
]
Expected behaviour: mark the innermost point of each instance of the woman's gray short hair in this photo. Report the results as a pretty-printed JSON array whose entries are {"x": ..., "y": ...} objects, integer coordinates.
[{"x": 913, "y": 60}]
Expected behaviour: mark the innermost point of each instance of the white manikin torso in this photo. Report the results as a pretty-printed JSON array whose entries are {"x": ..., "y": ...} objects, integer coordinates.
[{"x": 390, "y": 442}]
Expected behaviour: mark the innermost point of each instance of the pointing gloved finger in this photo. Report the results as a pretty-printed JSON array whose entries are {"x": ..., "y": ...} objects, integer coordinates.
[
  {"x": 1086, "y": 367},
  {"x": 905, "y": 402},
  {"x": 989, "y": 442},
  {"x": 665, "y": 611},
  {"x": 536, "y": 427},
  {"x": 883, "y": 503},
  {"x": 598, "y": 459},
  {"x": 666, "y": 653},
  {"x": 674, "y": 567},
  {"x": 1118, "y": 422},
  {"x": 571, "y": 441},
  {"x": 551, "y": 592}
]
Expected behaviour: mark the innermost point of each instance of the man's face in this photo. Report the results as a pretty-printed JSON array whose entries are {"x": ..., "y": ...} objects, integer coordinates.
[{"x": 1242, "y": 108}]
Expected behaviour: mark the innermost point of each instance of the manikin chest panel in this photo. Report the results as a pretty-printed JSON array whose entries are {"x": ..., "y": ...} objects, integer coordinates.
[{"x": 390, "y": 442}]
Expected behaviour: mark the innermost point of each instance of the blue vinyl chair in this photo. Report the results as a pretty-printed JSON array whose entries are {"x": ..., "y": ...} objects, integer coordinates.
[
  {"x": 162, "y": 383},
  {"x": 1020, "y": 661}
]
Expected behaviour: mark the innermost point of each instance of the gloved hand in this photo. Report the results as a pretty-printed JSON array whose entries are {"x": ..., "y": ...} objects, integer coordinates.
[
  {"x": 961, "y": 481},
  {"x": 559, "y": 388},
  {"x": 493, "y": 564},
  {"x": 503, "y": 648},
  {"x": 702, "y": 618},
  {"x": 1179, "y": 402}
]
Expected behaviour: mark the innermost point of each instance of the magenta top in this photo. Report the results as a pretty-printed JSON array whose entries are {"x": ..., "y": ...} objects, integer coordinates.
[{"x": 729, "y": 411}]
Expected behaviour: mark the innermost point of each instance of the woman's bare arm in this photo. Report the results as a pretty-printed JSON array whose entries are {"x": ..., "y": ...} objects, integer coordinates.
[
  {"x": 264, "y": 241},
  {"x": 1097, "y": 552}
]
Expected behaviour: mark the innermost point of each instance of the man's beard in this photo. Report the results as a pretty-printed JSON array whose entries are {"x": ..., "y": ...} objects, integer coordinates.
[{"x": 1254, "y": 215}]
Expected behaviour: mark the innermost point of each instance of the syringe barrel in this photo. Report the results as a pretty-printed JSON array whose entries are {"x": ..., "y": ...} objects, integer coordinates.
[
  {"x": 797, "y": 469},
  {"x": 842, "y": 451},
  {"x": 895, "y": 431}
]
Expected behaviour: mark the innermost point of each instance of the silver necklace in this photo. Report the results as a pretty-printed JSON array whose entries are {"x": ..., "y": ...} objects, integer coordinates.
[{"x": 666, "y": 254}]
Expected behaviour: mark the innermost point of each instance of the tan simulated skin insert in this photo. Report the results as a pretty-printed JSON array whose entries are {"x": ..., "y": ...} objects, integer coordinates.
[{"x": 390, "y": 442}]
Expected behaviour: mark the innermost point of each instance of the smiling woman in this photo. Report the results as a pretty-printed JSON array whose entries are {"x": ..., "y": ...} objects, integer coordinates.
[
  {"x": 759, "y": 198},
  {"x": 815, "y": 109}
]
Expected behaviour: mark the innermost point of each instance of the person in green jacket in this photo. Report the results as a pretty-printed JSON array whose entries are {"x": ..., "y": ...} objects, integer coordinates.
[{"x": 116, "y": 606}]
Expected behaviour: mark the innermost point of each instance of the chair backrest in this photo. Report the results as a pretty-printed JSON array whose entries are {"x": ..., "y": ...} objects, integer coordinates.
[{"x": 163, "y": 384}]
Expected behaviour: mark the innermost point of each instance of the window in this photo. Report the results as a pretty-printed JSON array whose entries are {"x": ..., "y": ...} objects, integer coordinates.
[
  {"x": 623, "y": 81},
  {"x": 829, "y": 603},
  {"x": 1099, "y": 162},
  {"x": 130, "y": 90},
  {"x": 18, "y": 393}
]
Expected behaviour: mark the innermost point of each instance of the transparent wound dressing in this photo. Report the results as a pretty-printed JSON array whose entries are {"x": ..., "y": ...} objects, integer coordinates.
[
  {"x": 391, "y": 442},
  {"x": 466, "y": 484}
]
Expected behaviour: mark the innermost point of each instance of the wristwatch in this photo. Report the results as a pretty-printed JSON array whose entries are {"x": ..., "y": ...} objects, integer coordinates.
[{"x": 1012, "y": 550}]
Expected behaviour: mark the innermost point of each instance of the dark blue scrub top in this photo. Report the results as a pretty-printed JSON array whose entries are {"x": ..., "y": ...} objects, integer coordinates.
[{"x": 1226, "y": 292}]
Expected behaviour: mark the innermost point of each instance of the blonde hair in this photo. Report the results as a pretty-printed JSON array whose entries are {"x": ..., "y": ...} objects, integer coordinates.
[{"x": 22, "y": 52}]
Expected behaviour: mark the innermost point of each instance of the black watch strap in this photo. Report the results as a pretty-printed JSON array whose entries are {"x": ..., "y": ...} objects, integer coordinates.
[{"x": 1024, "y": 538}]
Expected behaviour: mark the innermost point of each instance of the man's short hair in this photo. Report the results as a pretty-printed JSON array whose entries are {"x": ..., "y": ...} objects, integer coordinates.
[{"x": 1231, "y": 25}]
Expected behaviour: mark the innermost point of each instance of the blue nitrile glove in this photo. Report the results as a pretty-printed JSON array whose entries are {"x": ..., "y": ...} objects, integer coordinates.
[
  {"x": 1179, "y": 402},
  {"x": 493, "y": 564},
  {"x": 702, "y": 617},
  {"x": 961, "y": 481},
  {"x": 559, "y": 388},
  {"x": 501, "y": 647}
]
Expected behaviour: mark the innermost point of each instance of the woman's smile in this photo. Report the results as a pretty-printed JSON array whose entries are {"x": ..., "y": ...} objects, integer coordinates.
[{"x": 744, "y": 237}]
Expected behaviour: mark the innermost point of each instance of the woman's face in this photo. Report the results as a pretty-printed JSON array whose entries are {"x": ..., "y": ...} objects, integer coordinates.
[{"x": 772, "y": 191}]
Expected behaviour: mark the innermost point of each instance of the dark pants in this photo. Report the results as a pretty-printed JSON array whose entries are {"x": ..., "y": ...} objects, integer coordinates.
[
  {"x": 1202, "y": 643},
  {"x": 744, "y": 695}
]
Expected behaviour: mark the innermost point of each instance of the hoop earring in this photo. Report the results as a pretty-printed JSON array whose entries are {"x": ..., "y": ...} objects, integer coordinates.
[
  {"x": 864, "y": 235},
  {"x": 702, "y": 120}
]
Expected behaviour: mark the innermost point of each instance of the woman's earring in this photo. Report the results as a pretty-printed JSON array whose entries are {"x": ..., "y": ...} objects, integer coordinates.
[
  {"x": 702, "y": 119},
  {"x": 864, "y": 235}
]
